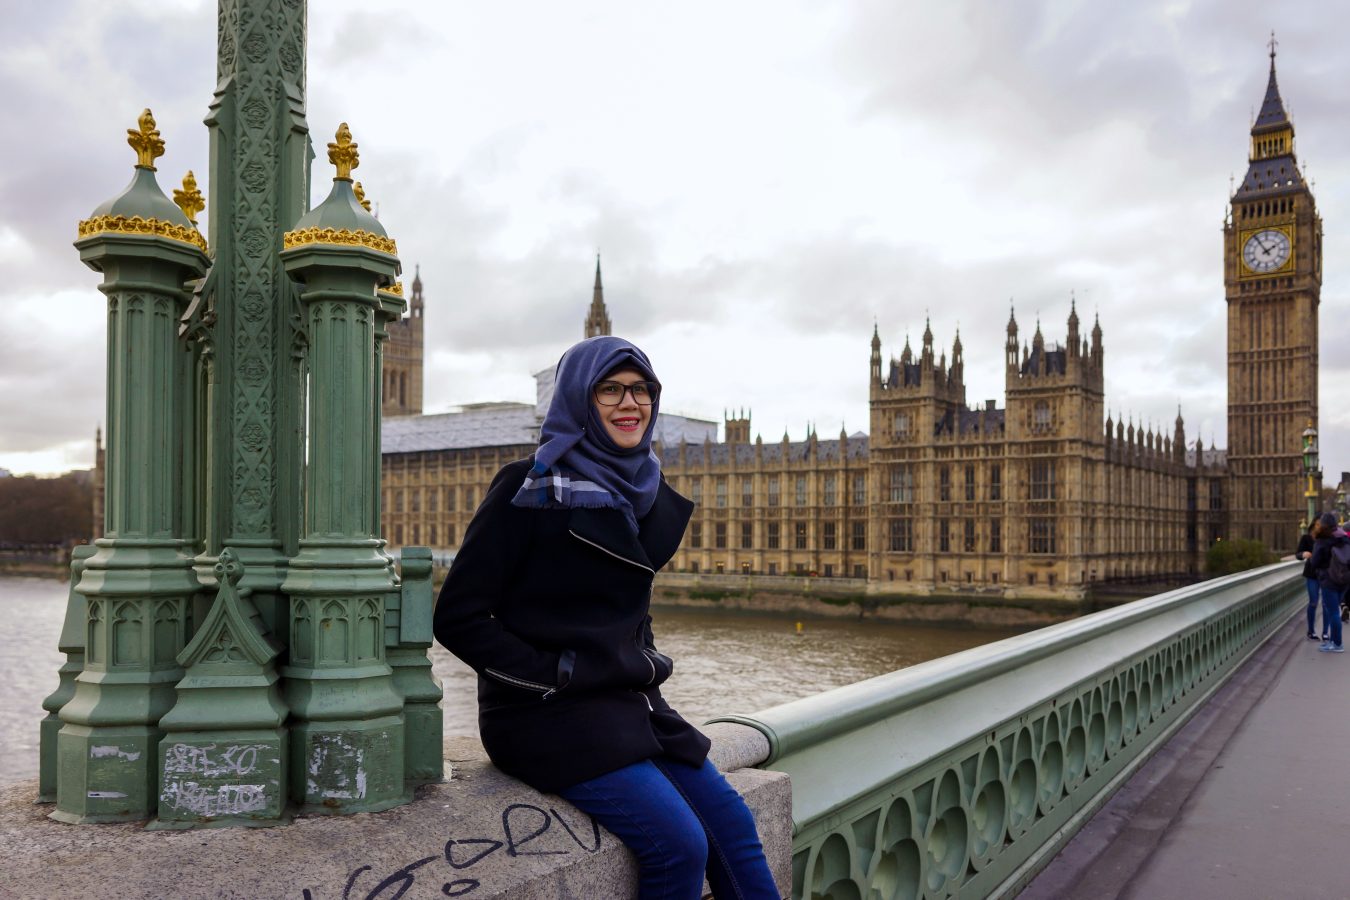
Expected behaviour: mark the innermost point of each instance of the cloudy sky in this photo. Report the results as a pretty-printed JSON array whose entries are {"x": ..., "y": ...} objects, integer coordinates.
[{"x": 764, "y": 180}]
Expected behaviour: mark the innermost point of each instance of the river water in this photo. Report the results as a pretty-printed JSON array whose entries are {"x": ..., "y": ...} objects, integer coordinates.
[{"x": 725, "y": 662}]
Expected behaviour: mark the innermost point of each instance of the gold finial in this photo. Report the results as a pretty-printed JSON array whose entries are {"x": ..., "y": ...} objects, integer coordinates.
[
  {"x": 146, "y": 141},
  {"x": 360, "y": 193},
  {"x": 343, "y": 153},
  {"x": 189, "y": 199}
]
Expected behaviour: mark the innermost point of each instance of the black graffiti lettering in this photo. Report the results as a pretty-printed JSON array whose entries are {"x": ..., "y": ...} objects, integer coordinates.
[
  {"x": 450, "y": 846},
  {"x": 403, "y": 875},
  {"x": 512, "y": 845},
  {"x": 595, "y": 826},
  {"x": 351, "y": 882},
  {"x": 459, "y": 887}
]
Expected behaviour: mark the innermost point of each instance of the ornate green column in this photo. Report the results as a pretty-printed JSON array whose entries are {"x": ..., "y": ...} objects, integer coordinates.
[
  {"x": 139, "y": 583},
  {"x": 348, "y": 734},
  {"x": 408, "y": 614},
  {"x": 71, "y": 643}
]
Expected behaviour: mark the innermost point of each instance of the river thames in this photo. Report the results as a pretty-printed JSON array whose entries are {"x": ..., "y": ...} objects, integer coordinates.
[{"x": 725, "y": 662}]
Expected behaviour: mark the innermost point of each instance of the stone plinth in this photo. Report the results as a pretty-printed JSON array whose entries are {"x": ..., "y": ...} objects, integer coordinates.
[{"x": 478, "y": 834}]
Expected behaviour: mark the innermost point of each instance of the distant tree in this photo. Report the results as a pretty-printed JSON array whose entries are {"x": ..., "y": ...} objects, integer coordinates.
[
  {"x": 45, "y": 510},
  {"x": 1227, "y": 557}
]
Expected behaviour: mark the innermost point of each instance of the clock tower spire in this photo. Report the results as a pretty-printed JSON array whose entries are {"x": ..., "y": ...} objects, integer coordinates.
[{"x": 1272, "y": 283}]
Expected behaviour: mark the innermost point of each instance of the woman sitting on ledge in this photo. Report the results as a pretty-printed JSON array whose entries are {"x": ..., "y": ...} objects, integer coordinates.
[{"x": 548, "y": 601}]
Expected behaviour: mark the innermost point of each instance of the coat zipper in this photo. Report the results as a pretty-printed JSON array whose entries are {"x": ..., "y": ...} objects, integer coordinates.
[
  {"x": 547, "y": 690},
  {"x": 612, "y": 553}
]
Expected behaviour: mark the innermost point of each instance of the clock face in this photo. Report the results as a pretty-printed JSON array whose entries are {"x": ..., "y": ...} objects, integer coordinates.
[{"x": 1266, "y": 251}]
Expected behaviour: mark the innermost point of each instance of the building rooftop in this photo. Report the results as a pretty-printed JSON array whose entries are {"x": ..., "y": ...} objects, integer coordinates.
[{"x": 475, "y": 425}]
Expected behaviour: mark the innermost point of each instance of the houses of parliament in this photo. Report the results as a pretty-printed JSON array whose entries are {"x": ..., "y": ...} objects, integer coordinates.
[{"x": 1041, "y": 497}]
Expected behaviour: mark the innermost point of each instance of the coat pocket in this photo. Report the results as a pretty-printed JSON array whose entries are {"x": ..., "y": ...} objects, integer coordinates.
[{"x": 548, "y": 690}]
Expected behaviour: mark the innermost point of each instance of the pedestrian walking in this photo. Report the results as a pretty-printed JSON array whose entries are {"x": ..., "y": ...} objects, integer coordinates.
[
  {"x": 1331, "y": 565},
  {"x": 1305, "y": 552}
]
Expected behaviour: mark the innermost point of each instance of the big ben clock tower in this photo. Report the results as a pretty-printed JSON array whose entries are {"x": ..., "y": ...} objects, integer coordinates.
[{"x": 1272, "y": 259}]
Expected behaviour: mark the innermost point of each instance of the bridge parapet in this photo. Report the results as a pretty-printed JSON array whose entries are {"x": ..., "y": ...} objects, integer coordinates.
[{"x": 969, "y": 772}]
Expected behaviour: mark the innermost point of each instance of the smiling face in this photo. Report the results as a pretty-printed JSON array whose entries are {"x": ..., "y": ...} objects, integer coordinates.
[{"x": 628, "y": 422}]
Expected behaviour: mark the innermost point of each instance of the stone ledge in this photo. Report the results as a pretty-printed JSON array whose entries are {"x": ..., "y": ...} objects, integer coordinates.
[{"x": 481, "y": 834}]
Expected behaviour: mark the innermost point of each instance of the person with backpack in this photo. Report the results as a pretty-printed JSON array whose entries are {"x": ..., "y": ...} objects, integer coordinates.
[
  {"x": 1331, "y": 564},
  {"x": 1305, "y": 552}
]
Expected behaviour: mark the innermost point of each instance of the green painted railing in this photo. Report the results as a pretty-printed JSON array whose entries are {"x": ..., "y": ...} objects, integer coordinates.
[{"x": 967, "y": 773}]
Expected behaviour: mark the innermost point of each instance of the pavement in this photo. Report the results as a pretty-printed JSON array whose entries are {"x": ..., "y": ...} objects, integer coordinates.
[{"x": 1250, "y": 799}]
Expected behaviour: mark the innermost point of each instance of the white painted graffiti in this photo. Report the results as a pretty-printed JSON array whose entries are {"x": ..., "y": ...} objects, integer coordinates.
[
  {"x": 337, "y": 770},
  {"x": 233, "y": 760},
  {"x": 213, "y": 800},
  {"x": 105, "y": 751}
]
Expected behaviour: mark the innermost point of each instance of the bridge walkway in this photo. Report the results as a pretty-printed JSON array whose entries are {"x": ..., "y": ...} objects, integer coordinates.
[{"x": 1251, "y": 799}]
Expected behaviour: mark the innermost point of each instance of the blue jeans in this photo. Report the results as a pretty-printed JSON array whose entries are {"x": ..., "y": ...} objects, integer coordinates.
[
  {"x": 1331, "y": 613},
  {"x": 680, "y": 821},
  {"x": 1313, "y": 602}
]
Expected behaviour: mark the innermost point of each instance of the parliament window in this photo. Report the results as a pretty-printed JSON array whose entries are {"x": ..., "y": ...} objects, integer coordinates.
[
  {"x": 828, "y": 539},
  {"x": 398, "y": 502},
  {"x": 944, "y": 537},
  {"x": 721, "y": 493},
  {"x": 859, "y": 571},
  {"x": 902, "y": 484},
  {"x": 747, "y": 491},
  {"x": 433, "y": 500},
  {"x": 1042, "y": 480},
  {"x": 1040, "y": 416},
  {"x": 696, "y": 535},
  {"x": 859, "y": 535},
  {"x": 416, "y": 534},
  {"x": 432, "y": 540},
  {"x": 944, "y": 483},
  {"x": 696, "y": 490},
  {"x": 969, "y": 538},
  {"x": 747, "y": 535},
  {"x": 773, "y": 490},
  {"x": 801, "y": 490},
  {"x": 416, "y": 503},
  {"x": 995, "y": 535},
  {"x": 1042, "y": 535},
  {"x": 829, "y": 490},
  {"x": 773, "y": 540},
  {"x": 799, "y": 535},
  {"x": 720, "y": 535},
  {"x": 995, "y": 482},
  {"x": 449, "y": 499},
  {"x": 902, "y": 535},
  {"x": 970, "y": 483},
  {"x": 859, "y": 490}
]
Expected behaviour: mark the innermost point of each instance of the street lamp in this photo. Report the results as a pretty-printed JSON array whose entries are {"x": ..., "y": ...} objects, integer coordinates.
[{"x": 1310, "y": 470}]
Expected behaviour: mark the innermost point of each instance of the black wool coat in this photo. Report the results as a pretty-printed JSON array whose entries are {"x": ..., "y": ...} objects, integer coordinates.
[{"x": 550, "y": 608}]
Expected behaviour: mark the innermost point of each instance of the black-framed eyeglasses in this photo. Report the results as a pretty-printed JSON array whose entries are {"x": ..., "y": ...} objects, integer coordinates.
[{"x": 610, "y": 393}]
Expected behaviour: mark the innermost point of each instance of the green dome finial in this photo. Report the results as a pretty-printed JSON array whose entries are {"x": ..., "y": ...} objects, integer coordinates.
[
  {"x": 145, "y": 140},
  {"x": 343, "y": 154}
]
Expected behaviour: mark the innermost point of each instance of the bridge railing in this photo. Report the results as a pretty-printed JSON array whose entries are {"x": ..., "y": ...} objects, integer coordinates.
[{"x": 967, "y": 773}]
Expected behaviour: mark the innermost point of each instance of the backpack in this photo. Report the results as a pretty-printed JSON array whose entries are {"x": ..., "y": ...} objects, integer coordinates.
[{"x": 1338, "y": 573}]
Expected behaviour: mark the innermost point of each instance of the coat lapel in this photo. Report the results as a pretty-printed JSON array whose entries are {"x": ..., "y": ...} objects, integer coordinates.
[
  {"x": 659, "y": 534},
  {"x": 606, "y": 529},
  {"x": 663, "y": 528}
]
